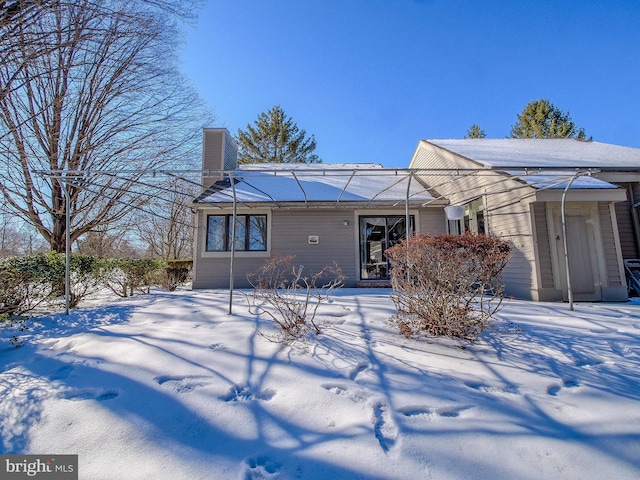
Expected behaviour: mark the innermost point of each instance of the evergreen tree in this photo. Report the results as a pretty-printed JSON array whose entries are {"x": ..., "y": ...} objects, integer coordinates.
[
  {"x": 542, "y": 119},
  {"x": 275, "y": 138},
  {"x": 475, "y": 131}
]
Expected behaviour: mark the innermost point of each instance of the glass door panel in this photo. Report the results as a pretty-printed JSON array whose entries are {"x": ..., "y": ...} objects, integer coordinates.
[{"x": 376, "y": 235}]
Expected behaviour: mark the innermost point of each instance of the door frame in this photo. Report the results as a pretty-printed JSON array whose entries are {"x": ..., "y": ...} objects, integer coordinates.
[
  {"x": 379, "y": 214},
  {"x": 589, "y": 211}
]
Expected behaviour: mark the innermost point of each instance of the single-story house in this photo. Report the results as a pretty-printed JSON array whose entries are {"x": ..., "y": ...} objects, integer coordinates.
[
  {"x": 321, "y": 213},
  {"x": 514, "y": 189},
  {"x": 525, "y": 191}
]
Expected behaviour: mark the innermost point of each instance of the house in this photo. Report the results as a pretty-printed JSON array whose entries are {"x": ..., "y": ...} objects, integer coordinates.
[
  {"x": 531, "y": 191},
  {"x": 321, "y": 213},
  {"x": 558, "y": 201}
]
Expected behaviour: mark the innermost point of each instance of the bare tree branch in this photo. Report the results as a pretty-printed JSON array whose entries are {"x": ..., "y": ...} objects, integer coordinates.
[{"x": 105, "y": 95}]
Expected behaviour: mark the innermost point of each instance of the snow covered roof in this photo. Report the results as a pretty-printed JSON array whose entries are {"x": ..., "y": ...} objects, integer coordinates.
[
  {"x": 559, "y": 181},
  {"x": 275, "y": 183},
  {"x": 543, "y": 153}
]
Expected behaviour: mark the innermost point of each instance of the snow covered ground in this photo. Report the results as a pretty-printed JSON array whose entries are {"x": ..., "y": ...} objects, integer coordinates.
[{"x": 168, "y": 386}]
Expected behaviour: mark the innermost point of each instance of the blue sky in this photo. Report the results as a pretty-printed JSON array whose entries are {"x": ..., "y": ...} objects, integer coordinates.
[{"x": 370, "y": 78}]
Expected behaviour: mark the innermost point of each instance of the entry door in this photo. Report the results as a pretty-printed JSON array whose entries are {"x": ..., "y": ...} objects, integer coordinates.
[
  {"x": 582, "y": 253},
  {"x": 376, "y": 235}
]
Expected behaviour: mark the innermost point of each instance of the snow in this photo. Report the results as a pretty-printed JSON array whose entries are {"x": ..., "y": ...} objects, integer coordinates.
[
  {"x": 560, "y": 180},
  {"x": 318, "y": 183},
  {"x": 169, "y": 386},
  {"x": 543, "y": 153}
]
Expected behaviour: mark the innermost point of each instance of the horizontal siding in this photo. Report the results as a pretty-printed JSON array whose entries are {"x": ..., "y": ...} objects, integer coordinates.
[
  {"x": 289, "y": 234},
  {"x": 609, "y": 246},
  {"x": 215, "y": 272},
  {"x": 544, "y": 247},
  {"x": 626, "y": 230},
  {"x": 506, "y": 215},
  {"x": 432, "y": 221},
  {"x": 337, "y": 242}
]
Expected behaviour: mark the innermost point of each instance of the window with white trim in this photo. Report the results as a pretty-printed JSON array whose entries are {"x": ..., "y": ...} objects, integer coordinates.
[
  {"x": 474, "y": 217},
  {"x": 250, "y": 233}
]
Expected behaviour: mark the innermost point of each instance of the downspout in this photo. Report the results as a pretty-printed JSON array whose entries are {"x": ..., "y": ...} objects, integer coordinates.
[
  {"x": 564, "y": 240},
  {"x": 233, "y": 240}
]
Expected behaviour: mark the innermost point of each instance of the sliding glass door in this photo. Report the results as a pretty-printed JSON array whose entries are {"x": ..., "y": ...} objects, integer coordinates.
[{"x": 377, "y": 233}]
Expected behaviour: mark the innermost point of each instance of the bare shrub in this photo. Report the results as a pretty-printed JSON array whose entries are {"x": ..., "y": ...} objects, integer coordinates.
[
  {"x": 290, "y": 299},
  {"x": 447, "y": 285},
  {"x": 176, "y": 273}
]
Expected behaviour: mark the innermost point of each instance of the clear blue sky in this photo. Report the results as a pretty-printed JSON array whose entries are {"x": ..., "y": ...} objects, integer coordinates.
[{"x": 370, "y": 78}]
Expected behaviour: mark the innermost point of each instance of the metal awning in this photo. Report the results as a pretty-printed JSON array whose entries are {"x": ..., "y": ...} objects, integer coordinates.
[{"x": 313, "y": 186}]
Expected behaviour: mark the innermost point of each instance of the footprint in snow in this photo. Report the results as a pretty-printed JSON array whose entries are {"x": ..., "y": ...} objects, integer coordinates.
[
  {"x": 383, "y": 427},
  {"x": 555, "y": 388},
  {"x": 602, "y": 330},
  {"x": 260, "y": 467},
  {"x": 181, "y": 384},
  {"x": 61, "y": 373},
  {"x": 87, "y": 394},
  {"x": 483, "y": 387},
  {"x": 242, "y": 393},
  {"x": 621, "y": 349},
  {"x": 587, "y": 362},
  {"x": 431, "y": 413},
  {"x": 356, "y": 395},
  {"x": 361, "y": 367}
]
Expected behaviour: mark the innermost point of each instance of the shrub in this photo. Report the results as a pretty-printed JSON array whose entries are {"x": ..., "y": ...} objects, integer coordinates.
[
  {"x": 448, "y": 285},
  {"x": 290, "y": 299},
  {"x": 31, "y": 280},
  {"x": 177, "y": 272},
  {"x": 126, "y": 276},
  {"x": 28, "y": 281},
  {"x": 16, "y": 296}
]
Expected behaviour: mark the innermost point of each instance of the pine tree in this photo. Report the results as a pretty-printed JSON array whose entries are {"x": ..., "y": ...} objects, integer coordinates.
[
  {"x": 275, "y": 138},
  {"x": 542, "y": 119},
  {"x": 474, "y": 131}
]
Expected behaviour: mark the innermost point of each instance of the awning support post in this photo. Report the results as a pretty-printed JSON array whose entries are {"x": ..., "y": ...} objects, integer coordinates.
[
  {"x": 564, "y": 240},
  {"x": 407, "y": 220},
  {"x": 67, "y": 252},
  {"x": 233, "y": 241}
]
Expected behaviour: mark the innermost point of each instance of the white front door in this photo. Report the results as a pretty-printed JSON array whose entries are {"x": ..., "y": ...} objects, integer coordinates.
[{"x": 582, "y": 249}]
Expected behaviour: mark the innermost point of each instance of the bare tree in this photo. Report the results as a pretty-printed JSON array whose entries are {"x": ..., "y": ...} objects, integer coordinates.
[
  {"x": 16, "y": 16},
  {"x": 167, "y": 230},
  {"x": 107, "y": 97},
  {"x": 104, "y": 243}
]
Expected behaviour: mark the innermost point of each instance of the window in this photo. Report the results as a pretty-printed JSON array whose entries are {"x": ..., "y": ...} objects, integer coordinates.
[
  {"x": 474, "y": 217},
  {"x": 250, "y": 233},
  {"x": 454, "y": 227}
]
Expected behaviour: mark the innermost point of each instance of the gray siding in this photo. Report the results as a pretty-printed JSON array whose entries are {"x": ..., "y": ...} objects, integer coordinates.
[
  {"x": 289, "y": 234},
  {"x": 625, "y": 226},
  {"x": 507, "y": 212},
  {"x": 290, "y": 231},
  {"x": 610, "y": 251},
  {"x": 545, "y": 263},
  {"x": 219, "y": 152},
  {"x": 432, "y": 221}
]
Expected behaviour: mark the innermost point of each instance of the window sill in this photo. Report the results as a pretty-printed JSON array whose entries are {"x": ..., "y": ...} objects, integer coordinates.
[{"x": 239, "y": 254}]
